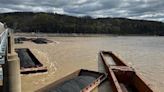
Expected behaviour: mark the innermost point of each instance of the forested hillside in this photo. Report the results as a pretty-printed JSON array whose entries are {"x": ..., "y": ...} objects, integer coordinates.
[{"x": 56, "y": 23}]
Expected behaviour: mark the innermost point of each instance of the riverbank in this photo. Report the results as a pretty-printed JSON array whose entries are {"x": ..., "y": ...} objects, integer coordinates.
[
  {"x": 75, "y": 35},
  {"x": 60, "y": 35}
]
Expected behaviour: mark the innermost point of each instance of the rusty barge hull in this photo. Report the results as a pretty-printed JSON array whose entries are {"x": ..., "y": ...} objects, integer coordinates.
[
  {"x": 78, "y": 81},
  {"x": 122, "y": 77}
]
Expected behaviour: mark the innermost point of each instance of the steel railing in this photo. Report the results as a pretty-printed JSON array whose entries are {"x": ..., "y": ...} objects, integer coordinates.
[{"x": 3, "y": 45}]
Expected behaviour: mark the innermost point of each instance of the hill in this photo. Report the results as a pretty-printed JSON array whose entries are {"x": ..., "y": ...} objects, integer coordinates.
[{"x": 56, "y": 23}]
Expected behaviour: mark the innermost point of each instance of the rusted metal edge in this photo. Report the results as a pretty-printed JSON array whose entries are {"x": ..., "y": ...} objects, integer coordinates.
[
  {"x": 93, "y": 85},
  {"x": 33, "y": 70}
]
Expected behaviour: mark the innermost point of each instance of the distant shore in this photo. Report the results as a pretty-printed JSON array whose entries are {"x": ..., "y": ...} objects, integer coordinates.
[
  {"x": 62, "y": 34},
  {"x": 73, "y": 35}
]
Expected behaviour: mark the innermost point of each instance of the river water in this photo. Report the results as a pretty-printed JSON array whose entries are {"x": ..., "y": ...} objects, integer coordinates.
[
  {"x": 145, "y": 54},
  {"x": 67, "y": 54}
]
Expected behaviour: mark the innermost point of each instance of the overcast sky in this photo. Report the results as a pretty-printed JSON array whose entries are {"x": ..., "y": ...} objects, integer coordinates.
[{"x": 136, "y": 9}]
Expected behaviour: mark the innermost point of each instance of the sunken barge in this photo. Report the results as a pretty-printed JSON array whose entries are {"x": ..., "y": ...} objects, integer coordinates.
[{"x": 28, "y": 62}]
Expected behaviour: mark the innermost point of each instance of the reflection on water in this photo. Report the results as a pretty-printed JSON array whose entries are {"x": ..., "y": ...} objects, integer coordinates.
[{"x": 145, "y": 54}]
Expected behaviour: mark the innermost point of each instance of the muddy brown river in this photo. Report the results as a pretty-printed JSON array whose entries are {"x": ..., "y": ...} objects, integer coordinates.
[{"x": 67, "y": 54}]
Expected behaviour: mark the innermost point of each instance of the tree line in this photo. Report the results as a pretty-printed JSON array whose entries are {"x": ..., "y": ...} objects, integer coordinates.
[{"x": 57, "y": 23}]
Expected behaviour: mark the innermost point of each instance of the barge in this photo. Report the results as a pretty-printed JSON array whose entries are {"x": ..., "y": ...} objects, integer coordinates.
[
  {"x": 78, "y": 81},
  {"x": 122, "y": 77},
  {"x": 28, "y": 62}
]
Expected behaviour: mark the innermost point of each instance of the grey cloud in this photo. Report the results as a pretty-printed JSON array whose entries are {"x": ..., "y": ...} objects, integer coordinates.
[
  {"x": 93, "y": 6},
  {"x": 148, "y": 7},
  {"x": 137, "y": 9}
]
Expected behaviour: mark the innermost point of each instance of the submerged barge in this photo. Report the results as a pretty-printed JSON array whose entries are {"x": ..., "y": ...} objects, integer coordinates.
[
  {"x": 78, "y": 81},
  {"x": 28, "y": 62},
  {"x": 122, "y": 77}
]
